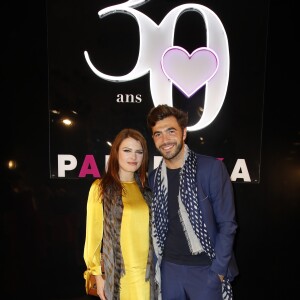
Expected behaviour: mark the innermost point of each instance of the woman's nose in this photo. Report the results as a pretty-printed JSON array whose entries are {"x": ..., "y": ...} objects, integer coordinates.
[{"x": 133, "y": 155}]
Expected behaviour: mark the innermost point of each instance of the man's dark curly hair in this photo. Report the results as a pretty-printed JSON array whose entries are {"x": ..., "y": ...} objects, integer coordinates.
[{"x": 163, "y": 111}]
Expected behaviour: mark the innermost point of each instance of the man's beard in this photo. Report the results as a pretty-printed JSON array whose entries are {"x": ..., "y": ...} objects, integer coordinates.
[{"x": 174, "y": 153}]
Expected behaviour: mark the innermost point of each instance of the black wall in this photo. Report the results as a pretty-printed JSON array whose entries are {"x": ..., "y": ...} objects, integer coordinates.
[{"x": 43, "y": 220}]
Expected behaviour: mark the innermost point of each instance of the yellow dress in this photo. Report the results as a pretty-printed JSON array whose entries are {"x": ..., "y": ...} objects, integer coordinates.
[{"x": 134, "y": 240}]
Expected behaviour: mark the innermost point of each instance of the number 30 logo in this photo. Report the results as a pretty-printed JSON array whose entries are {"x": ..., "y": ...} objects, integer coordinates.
[{"x": 168, "y": 64}]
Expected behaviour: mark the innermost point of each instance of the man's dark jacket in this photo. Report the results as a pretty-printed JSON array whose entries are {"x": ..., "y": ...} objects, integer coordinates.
[{"x": 216, "y": 201}]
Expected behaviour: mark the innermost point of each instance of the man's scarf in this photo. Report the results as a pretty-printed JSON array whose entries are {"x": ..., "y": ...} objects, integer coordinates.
[
  {"x": 190, "y": 214},
  {"x": 112, "y": 252}
]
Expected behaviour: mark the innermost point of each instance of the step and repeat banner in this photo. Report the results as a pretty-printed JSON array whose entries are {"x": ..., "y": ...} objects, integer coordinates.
[{"x": 110, "y": 62}]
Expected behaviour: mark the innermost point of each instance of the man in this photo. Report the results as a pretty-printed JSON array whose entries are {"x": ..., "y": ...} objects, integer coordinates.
[{"x": 193, "y": 215}]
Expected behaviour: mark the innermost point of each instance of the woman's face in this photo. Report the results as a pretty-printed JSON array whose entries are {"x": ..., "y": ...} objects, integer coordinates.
[{"x": 130, "y": 158}]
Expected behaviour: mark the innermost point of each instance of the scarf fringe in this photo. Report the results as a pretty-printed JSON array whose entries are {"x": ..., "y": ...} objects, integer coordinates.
[{"x": 193, "y": 242}]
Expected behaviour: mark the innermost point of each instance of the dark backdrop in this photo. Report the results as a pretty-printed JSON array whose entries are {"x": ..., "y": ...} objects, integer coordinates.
[
  {"x": 113, "y": 44},
  {"x": 43, "y": 220}
]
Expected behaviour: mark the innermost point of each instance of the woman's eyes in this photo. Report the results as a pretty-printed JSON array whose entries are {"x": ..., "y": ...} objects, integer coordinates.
[{"x": 137, "y": 152}]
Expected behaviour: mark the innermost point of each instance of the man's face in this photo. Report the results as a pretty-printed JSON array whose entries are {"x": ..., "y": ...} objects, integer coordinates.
[{"x": 169, "y": 138}]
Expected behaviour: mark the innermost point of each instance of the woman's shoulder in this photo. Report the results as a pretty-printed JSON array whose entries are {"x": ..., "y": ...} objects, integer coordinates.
[
  {"x": 96, "y": 182},
  {"x": 95, "y": 185}
]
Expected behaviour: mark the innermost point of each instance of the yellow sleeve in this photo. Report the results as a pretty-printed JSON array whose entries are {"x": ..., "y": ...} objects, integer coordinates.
[{"x": 94, "y": 231}]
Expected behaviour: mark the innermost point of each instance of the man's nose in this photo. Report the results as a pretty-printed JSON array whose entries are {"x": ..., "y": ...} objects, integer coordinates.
[{"x": 165, "y": 136}]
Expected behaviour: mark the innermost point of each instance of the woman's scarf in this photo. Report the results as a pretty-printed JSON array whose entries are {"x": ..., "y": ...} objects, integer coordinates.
[
  {"x": 190, "y": 214},
  {"x": 112, "y": 252}
]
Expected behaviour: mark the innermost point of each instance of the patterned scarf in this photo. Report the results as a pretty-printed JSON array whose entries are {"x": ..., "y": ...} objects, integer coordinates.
[
  {"x": 189, "y": 213},
  {"x": 112, "y": 252}
]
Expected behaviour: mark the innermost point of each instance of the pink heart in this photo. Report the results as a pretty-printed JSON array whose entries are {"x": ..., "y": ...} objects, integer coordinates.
[{"x": 189, "y": 72}]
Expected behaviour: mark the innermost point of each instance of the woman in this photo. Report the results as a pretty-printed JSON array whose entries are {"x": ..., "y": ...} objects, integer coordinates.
[{"x": 118, "y": 218}]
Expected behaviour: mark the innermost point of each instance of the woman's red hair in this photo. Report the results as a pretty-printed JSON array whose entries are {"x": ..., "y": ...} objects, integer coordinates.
[{"x": 110, "y": 182}]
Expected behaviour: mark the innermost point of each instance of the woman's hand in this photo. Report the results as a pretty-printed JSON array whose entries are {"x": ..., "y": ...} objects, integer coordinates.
[{"x": 100, "y": 282}]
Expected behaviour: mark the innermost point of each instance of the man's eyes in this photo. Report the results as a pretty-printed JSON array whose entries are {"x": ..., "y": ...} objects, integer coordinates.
[{"x": 168, "y": 132}]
